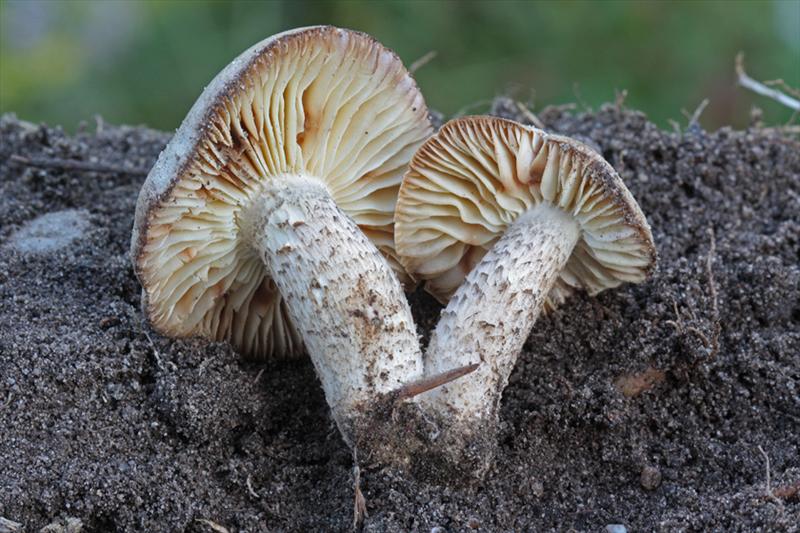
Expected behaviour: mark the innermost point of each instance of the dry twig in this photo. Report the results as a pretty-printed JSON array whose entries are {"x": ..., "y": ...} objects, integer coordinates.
[
  {"x": 9, "y": 526},
  {"x": 424, "y": 385},
  {"x": 761, "y": 88},
  {"x": 249, "y": 483},
  {"x": 213, "y": 525},
  {"x": 359, "y": 502},
  {"x": 675, "y": 126},
  {"x": 678, "y": 322},
  {"x": 71, "y": 164},
  {"x": 422, "y": 61},
  {"x": 527, "y": 113},
  {"x": 258, "y": 376},
  {"x": 768, "y": 486},
  {"x": 694, "y": 118}
]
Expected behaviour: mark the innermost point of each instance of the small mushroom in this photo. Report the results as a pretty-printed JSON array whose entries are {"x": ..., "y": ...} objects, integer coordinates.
[
  {"x": 262, "y": 220},
  {"x": 508, "y": 219}
]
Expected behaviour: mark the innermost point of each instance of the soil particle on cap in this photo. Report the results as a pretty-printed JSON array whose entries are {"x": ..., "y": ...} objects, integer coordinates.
[{"x": 108, "y": 423}]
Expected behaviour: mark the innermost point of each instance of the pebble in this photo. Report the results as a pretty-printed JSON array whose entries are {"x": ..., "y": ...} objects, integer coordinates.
[
  {"x": 50, "y": 232},
  {"x": 650, "y": 478}
]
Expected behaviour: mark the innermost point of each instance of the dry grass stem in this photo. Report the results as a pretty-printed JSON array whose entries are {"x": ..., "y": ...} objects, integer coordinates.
[
  {"x": 422, "y": 61},
  {"x": 424, "y": 385},
  {"x": 761, "y": 88},
  {"x": 213, "y": 525},
  {"x": 536, "y": 121},
  {"x": 768, "y": 484},
  {"x": 249, "y": 483},
  {"x": 9, "y": 526},
  {"x": 359, "y": 502},
  {"x": 694, "y": 118}
]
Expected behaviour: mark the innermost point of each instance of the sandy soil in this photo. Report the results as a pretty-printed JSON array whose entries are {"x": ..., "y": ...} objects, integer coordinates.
[{"x": 648, "y": 406}]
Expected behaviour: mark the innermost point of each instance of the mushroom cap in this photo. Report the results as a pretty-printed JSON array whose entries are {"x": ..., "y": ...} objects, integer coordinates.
[
  {"x": 472, "y": 179},
  {"x": 323, "y": 102}
]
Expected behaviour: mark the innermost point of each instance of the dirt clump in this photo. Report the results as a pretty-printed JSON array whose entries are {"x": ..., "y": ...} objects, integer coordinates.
[{"x": 105, "y": 422}]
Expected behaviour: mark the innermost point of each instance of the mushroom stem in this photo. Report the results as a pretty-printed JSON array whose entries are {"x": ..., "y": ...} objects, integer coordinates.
[
  {"x": 491, "y": 314},
  {"x": 341, "y": 294}
]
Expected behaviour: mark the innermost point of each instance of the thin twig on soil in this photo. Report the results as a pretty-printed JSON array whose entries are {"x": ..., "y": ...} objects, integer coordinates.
[
  {"x": 422, "y": 61},
  {"x": 71, "y": 164},
  {"x": 359, "y": 502},
  {"x": 768, "y": 486},
  {"x": 213, "y": 525},
  {"x": 694, "y": 118},
  {"x": 678, "y": 322},
  {"x": 761, "y": 88},
  {"x": 258, "y": 376},
  {"x": 700, "y": 335},
  {"x": 8, "y": 525},
  {"x": 156, "y": 355},
  {"x": 249, "y": 483},
  {"x": 201, "y": 368},
  {"x": 527, "y": 113},
  {"x": 424, "y": 385}
]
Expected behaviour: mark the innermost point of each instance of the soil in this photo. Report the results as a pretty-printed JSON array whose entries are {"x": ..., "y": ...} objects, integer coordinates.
[{"x": 653, "y": 407}]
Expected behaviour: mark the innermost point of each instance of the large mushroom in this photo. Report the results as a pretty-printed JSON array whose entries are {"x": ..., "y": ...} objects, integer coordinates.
[
  {"x": 503, "y": 219},
  {"x": 262, "y": 220}
]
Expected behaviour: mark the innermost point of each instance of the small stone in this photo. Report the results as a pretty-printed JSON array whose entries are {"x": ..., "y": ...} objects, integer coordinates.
[
  {"x": 473, "y": 523},
  {"x": 438, "y": 529},
  {"x": 51, "y": 232},
  {"x": 650, "y": 478},
  {"x": 109, "y": 321},
  {"x": 616, "y": 528}
]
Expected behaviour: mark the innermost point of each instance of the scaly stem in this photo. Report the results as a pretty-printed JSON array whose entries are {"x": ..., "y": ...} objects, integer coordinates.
[
  {"x": 491, "y": 314},
  {"x": 341, "y": 294}
]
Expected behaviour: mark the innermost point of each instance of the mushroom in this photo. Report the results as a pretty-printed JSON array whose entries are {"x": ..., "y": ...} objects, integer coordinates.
[
  {"x": 262, "y": 220},
  {"x": 508, "y": 219}
]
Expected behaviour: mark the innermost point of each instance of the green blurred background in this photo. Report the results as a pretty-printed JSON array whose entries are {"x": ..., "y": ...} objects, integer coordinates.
[{"x": 145, "y": 62}]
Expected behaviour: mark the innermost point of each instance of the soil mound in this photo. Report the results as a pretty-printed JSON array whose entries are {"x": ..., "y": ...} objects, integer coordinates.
[{"x": 652, "y": 406}]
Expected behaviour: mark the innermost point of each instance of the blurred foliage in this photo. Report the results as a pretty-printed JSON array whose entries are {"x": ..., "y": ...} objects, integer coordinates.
[{"x": 145, "y": 62}]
